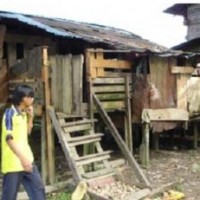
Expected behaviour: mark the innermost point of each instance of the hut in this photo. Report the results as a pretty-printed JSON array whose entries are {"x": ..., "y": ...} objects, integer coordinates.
[
  {"x": 191, "y": 15},
  {"x": 81, "y": 72}
]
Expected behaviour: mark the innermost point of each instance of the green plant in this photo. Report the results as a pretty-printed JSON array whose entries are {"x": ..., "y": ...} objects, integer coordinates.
[{"x": 60, "y": 196}]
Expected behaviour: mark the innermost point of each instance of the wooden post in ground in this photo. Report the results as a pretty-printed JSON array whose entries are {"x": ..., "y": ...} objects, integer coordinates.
[
  {"x": 123, "y": 147},
  {"x": 43, "y": 149},
  {"x": 144, "y": 149},
  {"x": 156, "y": 141},
  {"x": 128, "y": 122},
  {"x": 49, "y": 135},
  {"x": 195, "y": 134}
]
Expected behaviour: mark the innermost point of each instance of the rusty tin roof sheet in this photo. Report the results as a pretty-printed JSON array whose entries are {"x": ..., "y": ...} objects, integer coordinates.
[{"x": 115, "y": 37}]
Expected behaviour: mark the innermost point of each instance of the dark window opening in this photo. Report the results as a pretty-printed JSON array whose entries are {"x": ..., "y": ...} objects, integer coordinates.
[
  {"x": 5, "y": 50},
  {"x": 19, "y": 51}
]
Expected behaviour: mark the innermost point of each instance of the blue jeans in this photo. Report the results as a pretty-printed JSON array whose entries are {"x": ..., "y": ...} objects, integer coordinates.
[{"x": 31, "y": 181}]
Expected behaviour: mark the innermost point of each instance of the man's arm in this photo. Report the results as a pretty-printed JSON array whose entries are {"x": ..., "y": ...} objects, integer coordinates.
[{"x": 26, "y": 164}]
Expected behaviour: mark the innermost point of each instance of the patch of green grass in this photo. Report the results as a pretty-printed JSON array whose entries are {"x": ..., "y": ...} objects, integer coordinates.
[
  {"x": 60, "y": 196},
  {"x": 178, "y": 187}
]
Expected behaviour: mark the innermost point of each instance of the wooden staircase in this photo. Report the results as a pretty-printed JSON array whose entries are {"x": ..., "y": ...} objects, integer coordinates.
[{"x": 76, "y": 135}]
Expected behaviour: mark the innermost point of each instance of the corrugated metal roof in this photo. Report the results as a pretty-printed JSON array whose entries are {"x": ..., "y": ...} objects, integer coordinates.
[
  {"x": 32, "y": 22},
  {"x": 118, "y": 38}
]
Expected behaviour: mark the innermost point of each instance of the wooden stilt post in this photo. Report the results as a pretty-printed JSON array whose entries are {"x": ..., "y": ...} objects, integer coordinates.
[
  {"x": 195, "y": 132},
  {"x": 43, "y": 149},
  {"x": 128, "y": 122},
  {"x": 49, "y": 135},
  {"x": 144, "y": 149},
  {"x": 133, "y": 163},
  {"x": 156, "y": 141}
]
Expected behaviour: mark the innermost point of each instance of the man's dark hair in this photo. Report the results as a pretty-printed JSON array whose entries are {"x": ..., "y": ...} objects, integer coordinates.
[{"x": 20, "y": 92}]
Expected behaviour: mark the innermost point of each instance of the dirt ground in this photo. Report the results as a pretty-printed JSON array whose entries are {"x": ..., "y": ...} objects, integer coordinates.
[
  {"x": 177, "y": 165},
  {"x": 166, "y": 166}
]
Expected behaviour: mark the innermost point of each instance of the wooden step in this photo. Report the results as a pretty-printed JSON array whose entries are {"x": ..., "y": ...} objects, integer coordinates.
[
  {"x": 78, "y": 141},
  {"x": 84, "y": 160},
  {"x": 61, "y": 115},
  {"x": 78, "y": 127},
  {"x": 84, "y": 137},
  {"x": 99, "y": 173},
  {"x": 79, "y": 122}
]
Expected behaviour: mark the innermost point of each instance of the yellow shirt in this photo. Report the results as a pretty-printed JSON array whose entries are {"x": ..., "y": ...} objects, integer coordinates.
[{"x": 14, "y": 124}]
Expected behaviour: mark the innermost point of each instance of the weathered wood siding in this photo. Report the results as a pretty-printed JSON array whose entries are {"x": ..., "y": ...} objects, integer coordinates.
[
  {"x": 66, "y": 83},
  {"x": 3, "y": 68},
  {"x": 164, "y": 81}
]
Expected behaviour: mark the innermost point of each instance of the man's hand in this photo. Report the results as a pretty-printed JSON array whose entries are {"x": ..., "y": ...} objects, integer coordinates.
[
  {"x": 26, "y": 164},
  {"x": 29, "y": 111}
]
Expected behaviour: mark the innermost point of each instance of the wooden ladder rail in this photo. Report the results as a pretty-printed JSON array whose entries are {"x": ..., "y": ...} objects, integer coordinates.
[
  {"x": 133, "y": 163},
  {"x": 65, "y": 147}
]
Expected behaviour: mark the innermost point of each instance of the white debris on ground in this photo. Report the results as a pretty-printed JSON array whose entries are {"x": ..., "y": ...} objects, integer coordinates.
[{"x": 116, "y": 190}]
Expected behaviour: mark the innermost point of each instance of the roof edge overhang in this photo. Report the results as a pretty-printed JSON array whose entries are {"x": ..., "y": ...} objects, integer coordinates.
[
  {"x": 178, "y": 9},
  {"x": 31, "y": 22}
]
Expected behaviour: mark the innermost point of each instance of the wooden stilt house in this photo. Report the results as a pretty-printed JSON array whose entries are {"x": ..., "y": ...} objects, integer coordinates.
[{"x": 81, "y": 72}]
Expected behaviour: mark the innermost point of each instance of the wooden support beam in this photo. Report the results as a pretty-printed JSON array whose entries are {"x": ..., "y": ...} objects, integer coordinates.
[
  {"x": 116, "y": 80},
  {"x": 133, "y": 163},
  {"x": 181, "y": 82},
  {"x": 49, "y": 134},
  {"x": 43, "y": 150},
  {"x": 111, "y": 96},
  {"x": 27, "y": 39},
  {"x": 64, "y": 145},
  {"x": 195, "y": 134},
  {"x": 110, "y": 63},
  {"x": 113, "y": 105},
  {"x": 144, "y": 148},
  {"x": 109, "y": 88},
  {"x": 128, "y": 120},
  {"x": 182, "y": 70}
]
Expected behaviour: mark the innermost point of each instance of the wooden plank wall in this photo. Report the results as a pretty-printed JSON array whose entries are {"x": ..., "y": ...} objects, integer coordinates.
[
  {"x": 66, "y": 83},
  {"x": 30, "y": 62},
  {"x": 111, "y": 92},
  {"x": 3, "y": 82},
  {"x": 164, "y": 81},
  {"x": 108, "y": 78},
  {"x": 98, "y": 66},
  {"x": 3, "y": 68},
  {"x": 29, "y": 71}
]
